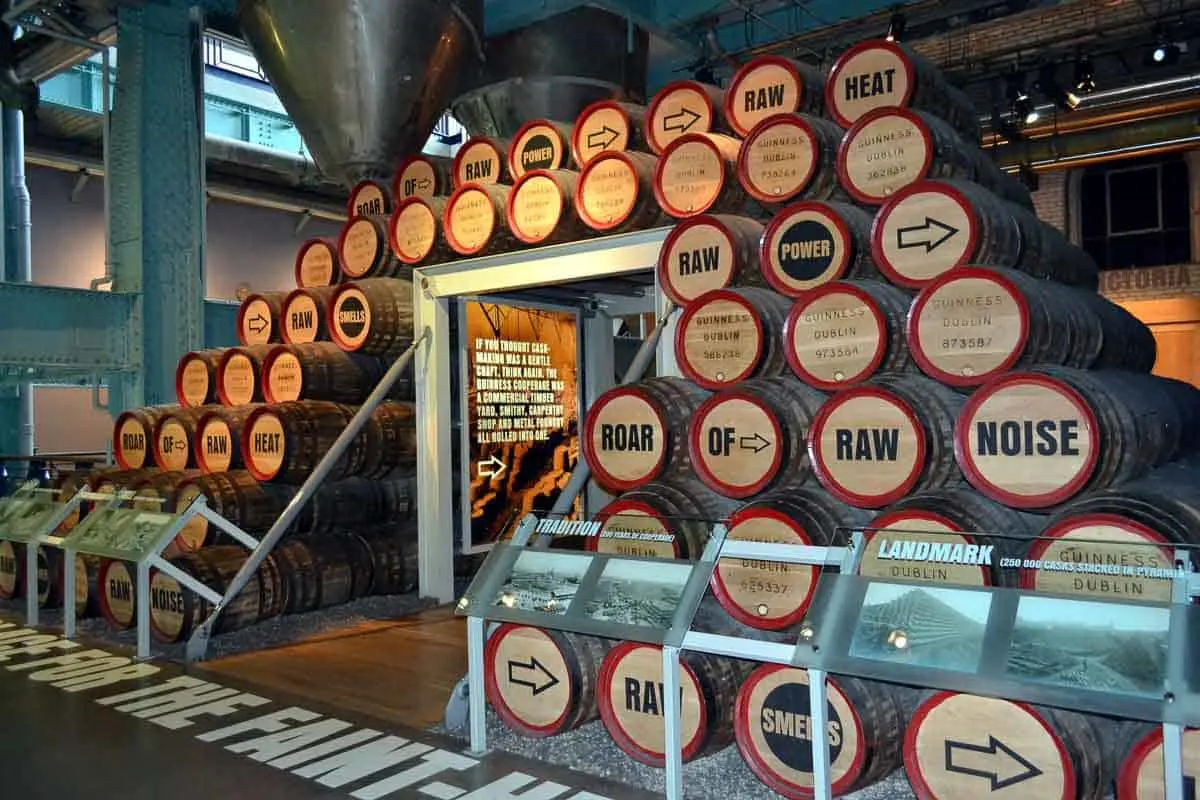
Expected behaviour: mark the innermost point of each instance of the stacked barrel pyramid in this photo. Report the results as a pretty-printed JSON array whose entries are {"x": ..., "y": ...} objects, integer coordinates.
[
  {"x": 250, "y": 425},
  {"x": 877, "y": 332}
]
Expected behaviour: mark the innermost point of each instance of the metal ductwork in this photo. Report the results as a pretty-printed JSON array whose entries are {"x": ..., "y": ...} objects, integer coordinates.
[
  {"x": 15, "y": 92},
  {"x": 554, "y": 69},
  {"x": 365, "y": 81},
  {"x": 1175, "y": 132}
]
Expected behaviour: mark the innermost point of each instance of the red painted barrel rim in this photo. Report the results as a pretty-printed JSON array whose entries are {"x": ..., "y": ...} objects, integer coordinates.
[
  {"x": 350, "y": 210},
  {"x": 1131, "y": 764},
  {"x": 912, "y": 765},
  {"x": 844, "y": 58},
  {"x": 743, "y": 170},
  {"x": 686, "y": 317},
  {"x": 879, "y": 253},
  {"x": 501, "y": 158},
  {"x": 1066, "y": 525},
  {"x": 509, "y": 211},
  {"x": 101, "y": 589},
  {"x": 219, "y": 373},
  {"x": 563, "y": 145},
  {"x": 657, "y": 101},
  {"x": 899, "y": 515},
  {"x": 777, "y": 783},
  {"x": 913, "y": 326},
  {"x": 866, "y": 119},
  {"x": 394, "y": 220},
  {"x": 577, "y": 130},
  {"x": 695, "y": 446},
  {"x": 118, "y": 448},
  {"x": 335, "y": 335},
  {"x": 404, "y": 164},
  {"x": 660, "y": 166},
  {"x": 663, "y": 269},
  {"x": 581, "y": 209},
  {"x": 962, "y": 450},
  {"x": 793, "y": 319},
  {"x": 732, "y": 89},
  {"x": 766, "y": 257},
  {"x": 187, "y": 359},
  {"x": 448, "y": 230},
  {"x": 821, "y": 469},
  {"x": 589, "y": 429},
  {"x": 241, "y": 317},
  {"x": 244, "y": 444},
  {"x": 618, "y": 507},
  {"x": 721, "y": 591},
  {"x": 613, "y": 726},
  {"x": 152, "y": 445},
  {"x": 334, "y": 256},
  {"x": 381, "y": 243},
  {"x": 492, "y": 688},
  {"x": 198, "y": 441},
  {"x": 268, "y": 361}
]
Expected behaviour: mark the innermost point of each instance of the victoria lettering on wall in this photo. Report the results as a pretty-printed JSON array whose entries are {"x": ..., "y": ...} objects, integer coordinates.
[{"x": 522, "y": 413}]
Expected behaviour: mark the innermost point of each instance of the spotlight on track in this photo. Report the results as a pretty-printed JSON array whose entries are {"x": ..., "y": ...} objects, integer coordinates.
[
  {"x": 1085, "y": 76},
  {"x": 1163, "y": 52},
  {"x": 1021, "y": 106},
  {"x": 1047, "y": 84},
  {"x": 896, "y": 27}
]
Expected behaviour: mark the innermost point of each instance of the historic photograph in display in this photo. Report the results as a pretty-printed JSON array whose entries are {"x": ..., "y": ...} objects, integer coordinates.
[
  {"x": 542, "y": 581},
  {"x": 629, "y": 592},
  {"x": 922, "y": 626}
]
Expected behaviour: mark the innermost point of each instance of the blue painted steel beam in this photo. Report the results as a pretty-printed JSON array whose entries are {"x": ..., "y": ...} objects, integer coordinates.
[
  {"x": 220, "y": 323},
  {"x": 47, "y": 328}
]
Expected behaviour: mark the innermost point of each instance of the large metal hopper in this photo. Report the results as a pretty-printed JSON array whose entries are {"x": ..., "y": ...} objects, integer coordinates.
[{"x": 364, "y": 80}]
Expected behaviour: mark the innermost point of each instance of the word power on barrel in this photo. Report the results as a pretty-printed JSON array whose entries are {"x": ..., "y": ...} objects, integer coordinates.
[
  {"x": 532, "y": 674},
  {"x": 931, "y": 235},
  {"x": 994, "y": 762}
]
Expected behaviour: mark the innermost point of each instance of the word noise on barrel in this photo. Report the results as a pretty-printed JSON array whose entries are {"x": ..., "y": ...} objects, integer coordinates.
[
  {"x": 869, "y": 84},
  {"x": 764, "y": 98},
  {"x": 695, "y": 262},
  {"x": 867, "y": 444},
  {"x": 1055, "y": 437}
]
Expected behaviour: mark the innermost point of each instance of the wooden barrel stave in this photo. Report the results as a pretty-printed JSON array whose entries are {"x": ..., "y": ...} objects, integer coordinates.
[
  {"x": 653, "y": 415},
  {"x": 697, "y": 174},
  {"x": 707, "y": 252},
  {"x": 391, "y": 439},
  {"x": 305, "y": 314},
  {"x": 258, "y": 318},
  {"x": 414, "y": 232},
  {"x": 393, "y": 563},
  {"x": 768, "y": 86},
  {"x": 196, "y": 377},
  {"x": 176, "y": 611},
  {"x": 683, "y": 510},
  {"x": 684, "y": 107},
  {"x": 317, "y": 264},
  {"x": 615, "y": 193},
  {"x": 323, "y": 371},
  {"x": 790, "y": 157},
  {"x": 422, "y": 176},
  {"x": 1138, "y": 752},
  {"x": 318, "y": 573},
  {"x": 133, "y": 436},
  {"x": 812, "y": 243},
  {"x": 745, "y": 323},
  {"x": 373, "y": 317},
  {"x": 608, "y": 126},
  {"x": 541, "y": 208},
  {"x": 234, "y": 495}
]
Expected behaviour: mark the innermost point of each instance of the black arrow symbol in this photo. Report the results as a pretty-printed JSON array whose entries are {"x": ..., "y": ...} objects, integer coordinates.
[
  {"x": 1004, "y": 761},
  {"x": 424, "y": 183},
  {"x": 596, "y": 138},
  {"x": 534, "y": 666},
  {"x": 757, "y": 442},
  {"x": 262, "y": 323},
  {"x": 931, "y": 235},
  {"x": 683, "y": 114}
]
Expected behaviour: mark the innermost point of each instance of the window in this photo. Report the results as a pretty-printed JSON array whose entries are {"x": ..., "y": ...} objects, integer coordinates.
[{"x": 1137, "y": 213}]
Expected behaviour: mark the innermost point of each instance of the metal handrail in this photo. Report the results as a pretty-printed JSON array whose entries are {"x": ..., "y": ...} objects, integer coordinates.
[{"x": 197, "y": 645}]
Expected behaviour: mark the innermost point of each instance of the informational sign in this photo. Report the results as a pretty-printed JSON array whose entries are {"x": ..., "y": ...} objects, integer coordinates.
[
  {"x": 522, "y": 414},
  {"x": 124, "y": 533},
  {"x": 24, "y": 516}
]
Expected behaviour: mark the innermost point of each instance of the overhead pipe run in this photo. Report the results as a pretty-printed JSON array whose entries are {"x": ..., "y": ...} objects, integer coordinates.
[{"x": 1163, "y": 134}]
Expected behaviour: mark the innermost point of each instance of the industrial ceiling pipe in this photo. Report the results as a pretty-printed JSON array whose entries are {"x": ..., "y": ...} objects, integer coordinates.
[{"x": 1108, "y": 143}]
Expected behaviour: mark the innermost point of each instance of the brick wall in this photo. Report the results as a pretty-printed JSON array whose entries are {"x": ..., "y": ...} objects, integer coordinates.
[{"x": 1050, "y": 200}]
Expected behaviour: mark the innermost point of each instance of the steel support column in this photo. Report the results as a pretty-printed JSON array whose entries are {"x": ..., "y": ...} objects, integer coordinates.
[{"x": 157, "y": 212}]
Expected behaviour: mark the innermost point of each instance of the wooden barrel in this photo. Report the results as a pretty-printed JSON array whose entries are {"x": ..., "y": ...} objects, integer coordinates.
[
  {"x": 323, "y": 371},
  {"x": 891, "y": 148},
  {"x": 608, "y": 126},
  {"x": 1036, "y": 439},
  {"x": 542, "y": 682},
  {"x": 216, "y": 443},
  {"x": 258, "y": 318},
  {"x": 481, "y": 160},
  {"x": 749, "y": 438},
  {"x": 237, "y": 374},
  {"x": 391, "y": 439},
  {"x": 930, "y": 227},
  {"x": 615, "y": 193},
  {"x": 415, "y": 232},
  {"x": 305, "y": 313},
  {"x": 878, "y": 74},
  {"x": 319, "y": 573},
  {"x": 369, "y": 198},
  {"x": 637, "y": 433},
  {"x": 108, "y": 481},
  {"x": 159, "y": 493},
  {"x": 893, "y": 435},
  {"x": 707, "y": 252},
  {"x": 697, "y": 174},
  {"x": 681, "y": 108},
  {"x": 365, "y": 251},
  {"x": 958, "y": 745},
  {"x": 660, "y": 520},
  {"x": 942, "y": 537},
  {"x": 234, "y": 495},
  {"x": 12, "y": 570},
  {"x": 50, "y": 582},
  {"x": 68, "y": 483},
  {"x": 176, "y": 611},
  {"x": 770, "y": 85},
  {"x": 317, "y": 264},
  {"x": 812, "y": 243},
  {"x": 541, "y": 208},
  {"x": 372, "y": 317},
  {"x": 422, "y": 176},
  {"x": 394, "y": 562},
  {"x": 173, "y": 437},
  {"x": 842, "y": 333},
  {"x": 118, "y": 604},
  {"x": 196, "y": 377},
  {"x": 974, "y": 323},
  {"x": 729, "y": 335},
  {"x": 1140, "y": 772},
  {"x": 631, "y": 700},
  {"x": 773, "y": 727},
  {"x": 133, "y": 433},
  {"x": 791, "y": 156},
  {"x": 474, "y": 220},
  {"x": 768, "y": 595},
  {"x": 351, "y": 504},
  {"x": 540, "y": 144}
]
